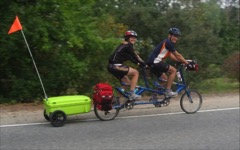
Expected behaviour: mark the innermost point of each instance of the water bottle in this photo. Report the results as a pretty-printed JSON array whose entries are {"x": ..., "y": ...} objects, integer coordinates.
[
  {"x": 121, "y": 90},
  {"x": 179, "y": 76},
  {"x": 135, "y": 90}
]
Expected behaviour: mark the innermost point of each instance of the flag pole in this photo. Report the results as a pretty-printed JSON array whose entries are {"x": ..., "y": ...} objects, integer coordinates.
[{"x": 35, "y": 66}]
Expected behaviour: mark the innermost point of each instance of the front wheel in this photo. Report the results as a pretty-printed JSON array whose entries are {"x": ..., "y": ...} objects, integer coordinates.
[
  {"x": 191, "y": 101},
  {"x": 106, "y": 115}
]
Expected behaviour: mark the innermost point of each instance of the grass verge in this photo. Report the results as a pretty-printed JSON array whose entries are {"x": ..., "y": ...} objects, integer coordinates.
[{"x": 218, "y": 85}]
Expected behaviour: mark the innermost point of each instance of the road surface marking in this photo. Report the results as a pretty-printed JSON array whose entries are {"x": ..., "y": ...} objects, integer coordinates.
[{"x": 166, "y": 114}]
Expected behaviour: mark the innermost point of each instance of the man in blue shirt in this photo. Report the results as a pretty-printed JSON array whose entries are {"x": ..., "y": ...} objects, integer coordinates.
[{"x": 163, "y": 50}]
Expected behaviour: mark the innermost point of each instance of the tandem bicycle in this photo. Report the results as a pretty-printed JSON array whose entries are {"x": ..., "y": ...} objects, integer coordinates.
[{"x": 190, "y": 100}]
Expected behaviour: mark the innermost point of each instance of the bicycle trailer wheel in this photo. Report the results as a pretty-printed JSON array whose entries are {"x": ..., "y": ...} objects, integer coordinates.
[{"x": 58, "y": 118}]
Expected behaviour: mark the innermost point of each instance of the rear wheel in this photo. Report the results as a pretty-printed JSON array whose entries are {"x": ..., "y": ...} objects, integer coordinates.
[
  {"x": 191, "y": 102},
  {"x": 58, "y": 118},
  {"x": 106, "y": 115}
]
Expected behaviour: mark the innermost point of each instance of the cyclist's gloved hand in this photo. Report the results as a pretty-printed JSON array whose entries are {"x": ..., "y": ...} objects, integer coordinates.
[
  {"x": 189, "y": 60},
  {"x": 192, "y": 65}
]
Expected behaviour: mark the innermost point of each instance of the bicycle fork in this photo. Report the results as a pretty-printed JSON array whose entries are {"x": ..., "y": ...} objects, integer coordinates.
[{"x": 188, "y": 92}]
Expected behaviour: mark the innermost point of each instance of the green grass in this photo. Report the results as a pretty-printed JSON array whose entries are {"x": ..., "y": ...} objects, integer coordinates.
[{"x": 218, "y": 85}]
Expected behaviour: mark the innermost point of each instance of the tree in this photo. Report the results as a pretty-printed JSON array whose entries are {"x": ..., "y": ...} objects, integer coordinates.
[
  {"x": 68, "y": 47},
  {"x": 231, "y": 66},
  {"x": 71, "y": 41}
]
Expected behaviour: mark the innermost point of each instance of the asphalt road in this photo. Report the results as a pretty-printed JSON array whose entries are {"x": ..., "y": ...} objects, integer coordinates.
[{"x": 216, "y": 129}]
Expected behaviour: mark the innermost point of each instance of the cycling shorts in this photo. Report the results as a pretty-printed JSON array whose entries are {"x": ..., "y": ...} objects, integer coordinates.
[
  {"x": 159, "y": 68},
  {"x": 118, "y": 70}
]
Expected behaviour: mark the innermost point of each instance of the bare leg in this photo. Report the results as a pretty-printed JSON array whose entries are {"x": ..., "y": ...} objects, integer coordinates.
[
  {"x": 172, "y": 74},
  {"x": 134, "y": 73},
  {"x": 163, "y": 76},
  {"x": 126, "y": 80}
]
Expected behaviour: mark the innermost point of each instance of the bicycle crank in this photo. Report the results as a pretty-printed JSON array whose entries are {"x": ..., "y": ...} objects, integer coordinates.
[
  {"x": 129, "y": 104},
  {"x": 166, "y": 102}
]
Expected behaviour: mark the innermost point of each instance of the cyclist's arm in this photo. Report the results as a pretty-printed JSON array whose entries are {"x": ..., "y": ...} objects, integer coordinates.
[
  {"x": 173, "y": 57},
  {"x": 136, "y": 58},
  {"x": 176, "y": 56},
  {"x": 179, "y": 57},
  {"x": 139, "y": 58}
]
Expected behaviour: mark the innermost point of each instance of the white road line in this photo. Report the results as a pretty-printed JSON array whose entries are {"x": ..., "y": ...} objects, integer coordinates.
[
  {"x": 219, "y": 109},
  {"x": 166, "y": 114},
  {"x": 17, "y": 125}
]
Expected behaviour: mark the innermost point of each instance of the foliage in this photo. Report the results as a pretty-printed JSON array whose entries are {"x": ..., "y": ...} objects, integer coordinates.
[
  {"x": 220, "y": 85},
  {"x": 71, "y": 41},
  {"x": 231, "y": 66},
  {"x": 66, "y": 46}
]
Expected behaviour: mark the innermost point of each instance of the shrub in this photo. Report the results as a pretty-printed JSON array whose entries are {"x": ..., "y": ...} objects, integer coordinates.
[{"x": 231, "y": 66}]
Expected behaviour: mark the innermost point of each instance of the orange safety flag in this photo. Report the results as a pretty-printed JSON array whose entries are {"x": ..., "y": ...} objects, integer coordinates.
[{"x": 15, "y": 26}]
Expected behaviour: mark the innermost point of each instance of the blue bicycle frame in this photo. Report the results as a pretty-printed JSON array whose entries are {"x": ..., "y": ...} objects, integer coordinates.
[
  {"x": 190, "y": 101},
  {"x": 160, "y": 90}
]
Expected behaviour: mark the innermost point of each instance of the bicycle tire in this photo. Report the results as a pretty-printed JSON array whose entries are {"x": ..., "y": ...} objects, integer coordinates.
[
  {"x": 58, "y": 118},
  {"x": 191, "y": 107},
  {"x": 106, "y": 115}
]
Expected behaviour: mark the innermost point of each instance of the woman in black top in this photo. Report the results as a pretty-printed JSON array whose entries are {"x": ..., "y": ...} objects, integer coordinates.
[{"x": 126, "y": 52}]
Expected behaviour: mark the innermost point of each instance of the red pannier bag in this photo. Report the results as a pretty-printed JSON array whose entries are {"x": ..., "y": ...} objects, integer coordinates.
[{"x": 103, "y": 96}]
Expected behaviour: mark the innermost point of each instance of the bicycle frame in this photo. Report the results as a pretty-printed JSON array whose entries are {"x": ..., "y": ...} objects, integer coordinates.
[
  {"x": 190, "y": 101},
  {"x": 180, "y": 85},
  {"x": 141, "y": 89}
]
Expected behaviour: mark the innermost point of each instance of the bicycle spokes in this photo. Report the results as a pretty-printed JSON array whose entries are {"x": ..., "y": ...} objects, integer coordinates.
[{"x": 191, "y": 101}]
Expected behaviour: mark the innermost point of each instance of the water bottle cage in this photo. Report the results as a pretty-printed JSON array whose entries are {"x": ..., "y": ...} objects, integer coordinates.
[{"x": 179, "y": 76}]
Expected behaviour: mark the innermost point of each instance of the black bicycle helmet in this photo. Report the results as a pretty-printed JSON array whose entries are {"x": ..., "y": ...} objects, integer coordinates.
[
  {"x": 174, "y": 31},
  {"x": 130, "y": 33}
]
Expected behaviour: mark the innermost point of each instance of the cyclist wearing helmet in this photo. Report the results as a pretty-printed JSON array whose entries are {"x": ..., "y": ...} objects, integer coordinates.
[
  {"x": 124, "y": 52},
  {"x": 163, "y": 50}
]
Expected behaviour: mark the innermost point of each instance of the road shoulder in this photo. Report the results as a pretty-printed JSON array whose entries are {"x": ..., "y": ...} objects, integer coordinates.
[{"x": 33, "y": 112}]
